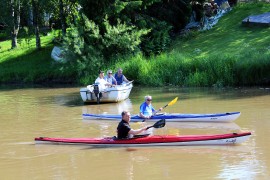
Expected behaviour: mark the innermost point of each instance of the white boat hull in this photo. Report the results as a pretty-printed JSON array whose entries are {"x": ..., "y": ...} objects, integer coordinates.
[{"x": 110, "y": 94}]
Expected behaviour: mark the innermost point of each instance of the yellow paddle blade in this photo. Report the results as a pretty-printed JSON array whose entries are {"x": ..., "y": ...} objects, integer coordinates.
[{"x": 173, "y": 101}]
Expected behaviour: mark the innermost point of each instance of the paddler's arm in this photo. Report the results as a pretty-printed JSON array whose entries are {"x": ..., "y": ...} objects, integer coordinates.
[
  {"x": 137, "y": 131},
  {"x": 155, "y": 112},
  {"x": 144, "y": 117}
]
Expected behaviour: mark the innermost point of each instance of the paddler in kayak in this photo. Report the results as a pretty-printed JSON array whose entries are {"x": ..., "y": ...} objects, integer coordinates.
[
  {"x": 124, "y": 130},
  {"x": 146, "y": 108}
]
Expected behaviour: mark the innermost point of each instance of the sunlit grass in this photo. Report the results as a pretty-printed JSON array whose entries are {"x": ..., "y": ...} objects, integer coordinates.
[
  {"x": 25, "y": 64},
  {"x": 23, "y": 48},
  {"x": 227, "y": 55}
]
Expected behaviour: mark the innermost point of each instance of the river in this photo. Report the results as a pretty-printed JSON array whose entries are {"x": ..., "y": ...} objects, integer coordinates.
[{"x": 27, "y": 113}]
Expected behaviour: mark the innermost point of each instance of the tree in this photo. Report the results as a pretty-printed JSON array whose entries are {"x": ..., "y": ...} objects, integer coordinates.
[
  {"x": 62, "y": 17},
  {"x": 164, "y": 18},
  {"x": 10, "y": 16},
  {"x": 15, "y": 8},
  {"x": 35, "y": 7}
]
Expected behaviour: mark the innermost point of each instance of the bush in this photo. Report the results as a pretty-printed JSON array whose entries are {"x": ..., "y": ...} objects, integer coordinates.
[{"x": 158, "y": 39}]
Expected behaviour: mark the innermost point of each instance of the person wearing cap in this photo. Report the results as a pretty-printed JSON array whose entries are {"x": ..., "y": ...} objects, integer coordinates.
[
  {"x": 146, "y": 108},
  {"x": 110, "y": 79},
  {"x": 120, "y": 78},
  {"x": 102, "y": 83},
  {"x": 124, "y": 130}
]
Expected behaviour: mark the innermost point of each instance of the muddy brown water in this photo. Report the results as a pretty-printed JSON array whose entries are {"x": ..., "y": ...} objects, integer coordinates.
[{"x": 27, "y": 113}]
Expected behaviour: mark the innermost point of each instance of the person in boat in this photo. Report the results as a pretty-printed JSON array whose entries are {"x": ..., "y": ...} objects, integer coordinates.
[
  {"x": 102, "y": 83},
  {"x": 110, "y": 79},
  {"x": 146, "y": 108},
  {"x": 120, "y": 77},
  {"x": 124, "y": 130}
]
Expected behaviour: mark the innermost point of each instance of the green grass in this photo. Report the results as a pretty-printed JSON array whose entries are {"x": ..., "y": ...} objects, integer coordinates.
[
  {"x": 25, "y": 64},
  {"x": 7, "y": 53},
  {"x": 227, "y": 55},
  {"x": 229, "y": 36}
]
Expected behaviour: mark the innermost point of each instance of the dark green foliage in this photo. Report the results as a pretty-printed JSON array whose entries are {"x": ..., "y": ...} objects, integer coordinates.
[
  {"x": 121, "y": 39},
  {"x": 81, "y": 49},
  {"x": 86, "y": 49},
  {"x": 156, "y": 15},
  {"x": 176, "y": 13},
  {"x": 3, "y": 35},
  {"x": 197, "y": 8},
  {"x": 158, "y": 39},
  {"x": 253, "y": 71}
]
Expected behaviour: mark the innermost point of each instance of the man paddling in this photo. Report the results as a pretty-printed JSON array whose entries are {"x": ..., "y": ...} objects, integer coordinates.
[
  {"x": 146, "y": 108},
  {"x": 124, "y": 130}
]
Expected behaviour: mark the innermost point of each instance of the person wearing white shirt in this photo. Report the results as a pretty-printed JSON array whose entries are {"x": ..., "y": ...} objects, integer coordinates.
[{"x": 102, "y": 83}]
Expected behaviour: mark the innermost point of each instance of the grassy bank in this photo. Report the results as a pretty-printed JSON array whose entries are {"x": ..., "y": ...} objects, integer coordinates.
[
  {"x": 25, "y": 64},
  {"x": 227, "y": 55}
]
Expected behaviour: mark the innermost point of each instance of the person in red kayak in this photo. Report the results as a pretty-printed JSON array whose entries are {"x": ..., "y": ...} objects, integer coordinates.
[{"x": 124, "y": 130}]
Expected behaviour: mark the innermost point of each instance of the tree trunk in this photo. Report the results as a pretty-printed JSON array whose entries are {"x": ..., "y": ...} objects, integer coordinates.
[
  {"x": 62, "y": 17},
  {"x": 35, "y": 7},
  {"x": 15, "y": 14},
  {"x": 38, "y": 43}
]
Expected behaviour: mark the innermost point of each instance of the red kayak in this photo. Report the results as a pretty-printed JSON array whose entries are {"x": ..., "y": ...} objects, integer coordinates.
[{"x": 156, "y": 140}]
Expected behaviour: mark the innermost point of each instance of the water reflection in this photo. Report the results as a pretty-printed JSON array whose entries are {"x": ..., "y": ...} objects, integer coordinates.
[
  {"x": 108, "y": 108},
  {"x": 106, "y": 127},
  {"x": 153, "y": 157},
  {"x": 244, "y": 164}
]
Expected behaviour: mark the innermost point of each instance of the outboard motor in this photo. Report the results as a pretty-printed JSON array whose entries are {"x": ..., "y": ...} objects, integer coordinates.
[
  {"x": 96, "y": 89},
  {"x": 97, "y": 93}
]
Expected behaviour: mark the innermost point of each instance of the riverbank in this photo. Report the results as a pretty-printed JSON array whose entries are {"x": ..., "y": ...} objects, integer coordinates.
[{"x": 227, "y": 55}]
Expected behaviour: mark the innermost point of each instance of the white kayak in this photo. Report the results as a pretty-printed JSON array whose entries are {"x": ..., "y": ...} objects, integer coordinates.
[{"x": 174, "y": 117}]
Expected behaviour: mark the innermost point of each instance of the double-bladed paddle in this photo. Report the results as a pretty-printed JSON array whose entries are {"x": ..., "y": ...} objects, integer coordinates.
[{"x": 159, "y": 124}]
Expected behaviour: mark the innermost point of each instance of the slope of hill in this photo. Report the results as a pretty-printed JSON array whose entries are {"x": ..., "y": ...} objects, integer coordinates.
[
  {"x": 229, "y": 36},
  {"x": 227, "y": 55}
]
